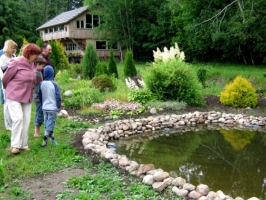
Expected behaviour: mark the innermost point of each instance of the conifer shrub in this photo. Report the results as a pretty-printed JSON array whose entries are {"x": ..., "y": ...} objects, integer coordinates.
[
  {"x": 101, "y": 68},
  {"x": 239, "y": 94},
  {"x": 112, "y": 68},
  {"x": 129, "y": 66},
  {"x": 58, "y": 57},
  {"x": 103, "y": 83},
  {"x": 89, "y": 62},
  {"x": 174, "y": 80}
]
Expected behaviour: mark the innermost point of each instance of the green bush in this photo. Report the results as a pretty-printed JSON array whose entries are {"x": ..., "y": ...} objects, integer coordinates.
[
  {"x": 83, "y": 97},
  {"x": 239, "y": 94},
  {"x": 101, "y": 68},
  {"x": 174, "y": 80},
  {"x": 141, "y": 96},
  {"x": 89, "y": 62},
  {"x": 103, "y": 83},
  {"x": 202, "y": 76},
  {"x": 112, "y": 68},
  {"x": 129, "y": 67}
]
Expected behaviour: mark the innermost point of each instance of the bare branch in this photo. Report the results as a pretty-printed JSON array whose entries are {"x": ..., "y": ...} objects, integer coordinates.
[{"x": 215, "y": 16}]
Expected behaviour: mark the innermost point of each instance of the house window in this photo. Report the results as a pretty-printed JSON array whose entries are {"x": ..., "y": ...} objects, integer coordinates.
[
  {"x": 46, "y": 31},
  {"x": 51, "y": 30},
  {"x": 80, "y": 24},
  {"x": 71, "y": 47},
  {"x": 56, "y": 28},
  {"x": 101, "y": 45},
  {"x": 88, "y": 21},
  {"x": 65, "y": 28},
  {"x": 61, "y": 28},
  {"x": 96, "y": 20}
]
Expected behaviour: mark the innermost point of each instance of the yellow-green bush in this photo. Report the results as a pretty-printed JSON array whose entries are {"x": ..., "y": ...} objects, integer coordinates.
[{"x": 239, "y": 94}]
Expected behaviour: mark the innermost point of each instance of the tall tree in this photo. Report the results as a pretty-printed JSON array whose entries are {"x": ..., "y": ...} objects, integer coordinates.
[{"x": 221, "y": 30}]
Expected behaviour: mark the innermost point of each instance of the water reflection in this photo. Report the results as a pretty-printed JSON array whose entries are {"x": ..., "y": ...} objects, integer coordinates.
[{"x": 233, "y": 161}]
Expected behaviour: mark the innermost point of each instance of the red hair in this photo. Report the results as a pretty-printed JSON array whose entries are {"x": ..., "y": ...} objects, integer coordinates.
[{"x": 30, "y": 49}]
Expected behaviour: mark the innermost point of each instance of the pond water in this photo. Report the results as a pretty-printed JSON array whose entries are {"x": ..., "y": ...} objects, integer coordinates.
[{"x": 230, "y": 160}]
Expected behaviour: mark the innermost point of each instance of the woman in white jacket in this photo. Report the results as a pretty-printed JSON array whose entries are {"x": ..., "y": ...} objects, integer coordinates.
[{"x": 9, "y": 50}]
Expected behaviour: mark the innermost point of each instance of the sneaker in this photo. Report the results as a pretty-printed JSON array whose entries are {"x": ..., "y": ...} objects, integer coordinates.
[
  {"x": 54, "y": 142},
  {"x": 14, "y": 150},
  {"x": 44, "y": 143}
]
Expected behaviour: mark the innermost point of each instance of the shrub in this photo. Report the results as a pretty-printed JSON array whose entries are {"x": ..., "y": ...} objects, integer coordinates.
[
  {"x": 103, "y": 82},
  {"x": 101, "y": 68},
  {"x": 112, "y": 68},
  {"x": 129, "y": 67},
  {"x": 83, "y": 97},
  {"x": 174, "y": 80},
  {"x": 142, "y": 96},
  {"x": 58, "y": 57},
  {"x": 239, "y": 94},
  {"x": 202, "y": 76},
  {"x": 89, "y": 62}
]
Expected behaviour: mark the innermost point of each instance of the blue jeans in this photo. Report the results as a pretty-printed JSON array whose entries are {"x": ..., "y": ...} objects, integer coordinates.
[
  {"x": 38, "y": 119},
  {"x": 49, "y": 120}
]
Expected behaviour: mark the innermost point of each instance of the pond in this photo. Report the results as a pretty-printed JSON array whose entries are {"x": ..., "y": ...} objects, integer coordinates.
[{"x": 230, "y": 160}]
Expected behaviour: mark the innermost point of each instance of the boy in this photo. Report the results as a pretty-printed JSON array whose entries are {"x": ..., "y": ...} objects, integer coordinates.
[
  {"x": 50, "y": 98},
  {"x": 38, "y": 119}
]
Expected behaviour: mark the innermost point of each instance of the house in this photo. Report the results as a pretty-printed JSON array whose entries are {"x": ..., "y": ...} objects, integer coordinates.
[{"x": 74, "y": 29}]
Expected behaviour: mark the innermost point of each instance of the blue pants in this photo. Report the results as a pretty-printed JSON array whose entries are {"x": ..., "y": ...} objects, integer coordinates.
[
  {"x": 2, "y": 94},
  {"x": 38, "y": 119},
  {"x": 49, "y": 120}
]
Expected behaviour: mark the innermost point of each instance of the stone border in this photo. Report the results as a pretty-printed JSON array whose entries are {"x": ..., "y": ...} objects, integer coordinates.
[{"x": 96, "y": 139}]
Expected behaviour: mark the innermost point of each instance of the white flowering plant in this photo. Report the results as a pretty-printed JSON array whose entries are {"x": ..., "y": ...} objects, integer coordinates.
[{"x": 172, "y": 54}]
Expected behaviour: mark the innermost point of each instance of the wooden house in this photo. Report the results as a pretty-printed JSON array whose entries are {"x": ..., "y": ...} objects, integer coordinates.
[{"x": 74, "y": 29}]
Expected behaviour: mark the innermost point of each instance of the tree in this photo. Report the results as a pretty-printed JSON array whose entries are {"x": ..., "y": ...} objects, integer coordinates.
[
  {"x": 89, "y": 62},
  {"x": 221, "y": 30},
  {"x": 129, "y": 67},
  {"x": 112, "y": 68},
  {"x": 58, "y": 57}
]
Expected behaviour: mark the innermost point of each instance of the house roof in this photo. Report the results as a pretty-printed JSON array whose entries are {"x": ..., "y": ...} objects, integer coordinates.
[{"x": 63, "y": 17}]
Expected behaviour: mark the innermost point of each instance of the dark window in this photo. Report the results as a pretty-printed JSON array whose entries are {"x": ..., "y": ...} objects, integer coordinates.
[
  {"x": 88, "y": 21},
  {"x": 46, "y": 31},
  {"x": 61, "y": 27},
  {"x": 56, "y": 29},
  {"x": 51, "y": 30},
  {"x": 78, "y": 26},
  {"x": 96, "y": 20},
  {"x": 101, "y": 45},
  {"x": 81, "y": 24}
]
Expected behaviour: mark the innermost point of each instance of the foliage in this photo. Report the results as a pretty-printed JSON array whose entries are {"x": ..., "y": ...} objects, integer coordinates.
[
  {"x": 62, "y": 77},
  {"x": 202, "y": 76},
  {"x": 103, "y": 83},
  {"x": 129, "y": 65},
  {"x": 83, "y": 97},
  {"x": 101, "y": 68},
  {"x": 174, "y": 80},
  {"x": 239, "y": 94},
  {"x": 112, "y": 68},
  {"x": 117, "y": 107},
  {"x": 89, "y": 62},
  {"x": 142, "y": 96},
  {"x": 58, "y": 57},
  {"x": 2, "y": 172}
]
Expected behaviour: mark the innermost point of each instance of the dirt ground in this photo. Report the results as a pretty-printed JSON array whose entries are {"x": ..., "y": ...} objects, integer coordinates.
[{"x": 46, "y": 187}]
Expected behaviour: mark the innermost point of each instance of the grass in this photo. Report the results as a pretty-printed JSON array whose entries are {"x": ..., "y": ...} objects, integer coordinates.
[{"x": 101, "y": 181}]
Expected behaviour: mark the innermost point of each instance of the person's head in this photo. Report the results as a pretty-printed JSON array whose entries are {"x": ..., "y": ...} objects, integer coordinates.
[
  {"x": 40, "y": 62},
  {"x": 48, "y": 73},
  {"x": 10, "y": 47},
  {"x": 31, "y": 52},
  {"x": 46, "y": 49}
]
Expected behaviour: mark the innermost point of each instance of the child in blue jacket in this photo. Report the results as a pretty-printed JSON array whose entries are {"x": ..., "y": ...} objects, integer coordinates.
[{"x": 50, "y": 97}]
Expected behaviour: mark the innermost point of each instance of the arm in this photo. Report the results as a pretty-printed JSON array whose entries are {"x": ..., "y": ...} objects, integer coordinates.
[
  {"x": 57, "y": 95},
  {"x": 10, "y": 73}
]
